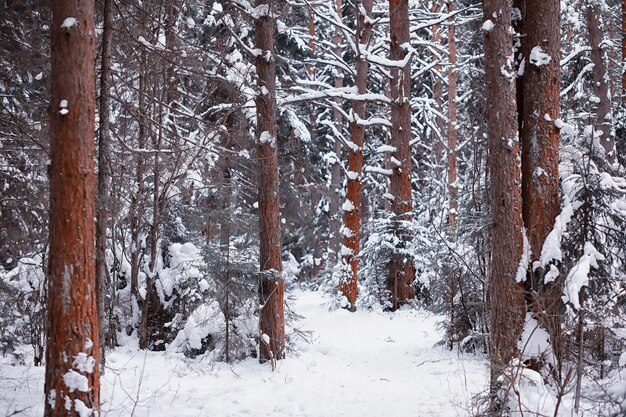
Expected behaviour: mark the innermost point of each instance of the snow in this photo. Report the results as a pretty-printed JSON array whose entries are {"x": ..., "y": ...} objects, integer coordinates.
[
  {"x": 75, "y": 381},
  {"x": 378, "y": 170},
  {"x": 63, "y": 107},
  {"x": 524, "y": 260},
  {"x": 347, "y": 205},
  {"x": 535, "y": 341},
  {"x": 488, "y": 25},
  {"x": 82, "y": 409},
  {"x": 266, "y": 137},
  {"x": 538, "y": 57},
  {"x": 84, "y": 363},
  {"x": 385, "y": 148},
  {"x": 366, "y": 364},
  {"x": 578, "y": 277},
  {"x": 69, "y": 22}
]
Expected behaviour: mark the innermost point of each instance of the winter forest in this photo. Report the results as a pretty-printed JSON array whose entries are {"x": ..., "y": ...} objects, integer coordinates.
[{"x": 313, "y": 208}]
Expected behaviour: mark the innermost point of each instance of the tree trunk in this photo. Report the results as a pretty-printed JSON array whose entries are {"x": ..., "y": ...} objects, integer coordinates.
[
  {"x": 438, "y": 84},
  {"x": 538, "y": 99},
  {"x": 104, "y": 177},
  {"x": 452, "y": 136},
  {"x": 348, "y": 284},
  {"x": 72, "y": 374},
  {"x": 271, "y": 315},
  {"x": 136, "y": 202},
  {"x": 401, "y": 268},
  {"x": 506, "y": 294},
  {"x": 335, "y": 170},
  {"x": 600, "y": 80},
  {"x": 623, "y": 70}
]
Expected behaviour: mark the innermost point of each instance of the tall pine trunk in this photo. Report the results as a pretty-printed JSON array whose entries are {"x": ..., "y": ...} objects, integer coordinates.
[
  {"x": 271, "y": 315},
  {"x": 452, "y": 135},
  {"x": 600, "y": 80},
  {"x": 335, "y": 171},
  {"x": 72, "y": 344},
  {"x": 506, "y": 294},
  {"x": 538, "y": 105},
  {"x": 104, "y": 176},
  {"x": 348, "y": 284},
  {"x": 401, "y": 268}
]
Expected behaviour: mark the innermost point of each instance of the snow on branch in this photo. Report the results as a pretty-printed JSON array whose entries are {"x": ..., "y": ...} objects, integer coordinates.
[
  {"x": 574, "y": 54},
  {"x": 379, "y": 170},
  {"x": 347, "y": 93}
]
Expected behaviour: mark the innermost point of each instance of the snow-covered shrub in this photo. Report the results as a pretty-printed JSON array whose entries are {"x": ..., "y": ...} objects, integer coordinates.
[
  {"x": 22, "y": 309},
  {"x": 585, "y": 250},
  {"x": 384, "y": 242}
]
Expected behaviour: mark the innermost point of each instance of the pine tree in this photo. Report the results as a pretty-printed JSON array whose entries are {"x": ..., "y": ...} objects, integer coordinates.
[
  {"x": 538, "y": 106},
  {"x": 72, "y": 349},
  {"x": 401, "y": 268},
  {"x": 271, "y": 315},
  {"x": 348, "y": 284},
  {"x": 506, "y": 293}
]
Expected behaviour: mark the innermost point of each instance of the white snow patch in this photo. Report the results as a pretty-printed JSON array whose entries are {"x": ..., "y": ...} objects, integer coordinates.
[
  {"x": 525, "y": 259},
  {"x": 75, "y": 381},
  {"x": 347, "y": 205},
  {"x": 345, "y": 251},
  {"x": 82, "y": 409},
  {"x": 538, "y": 57},
  {"x": 84, "y": 363},
  {"x": 69, "y": 22},
  {"x": 267, "y": 137},
  {"x": 488, "y": 25},
  {"x": 578, "y": 277},
  {"x": 535, "y": 341},
  {"x": 385, "y": 148},
  {"x": 551, "y": 275}
]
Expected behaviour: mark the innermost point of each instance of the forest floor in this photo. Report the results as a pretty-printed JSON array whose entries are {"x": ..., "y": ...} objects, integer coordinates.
[{"x": 356, "y": 364}]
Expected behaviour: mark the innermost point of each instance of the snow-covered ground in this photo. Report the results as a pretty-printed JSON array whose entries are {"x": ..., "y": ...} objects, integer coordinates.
[{"x": 357, "y": 364}]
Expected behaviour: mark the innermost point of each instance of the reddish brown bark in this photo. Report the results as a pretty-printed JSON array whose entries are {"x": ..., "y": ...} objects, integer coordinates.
[
  {"x": 352, "y": 207},
  {"x": 335, "y": 170},
  {"x": 72, "y": 374},
  {"x": 600, "y": 80},
  {"x": 438, "y": 84},
  {"x": 452, "y": 136},
  {"x": 401, "y": 268},
  {"x": 271, "y": 315},
  {"x": 538, "y": 99},
  {"x": 104, "y": 174},
  {"x": 505, "y": 294}
]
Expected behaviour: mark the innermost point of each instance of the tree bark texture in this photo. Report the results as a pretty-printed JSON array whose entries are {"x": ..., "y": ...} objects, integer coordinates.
[
  {"x": 438, "y": 145},
  {"x": 401, "y": 268},
  {"x": 335, "y": 170},
  {"x": 623, "y": 49},
  {"x": 136, "y": 202},
  {"x": 538, "y": 99},
  {"x": 506, "y": 295},
  {"x": 104, "y": 175},
  {"x": 72, "y": 374},
  {"x": 452, "y": 136},
  {"x": 604, "y": 118},
  {"x": 348, "y": 285},
  {"x": 271, "y": 315}
]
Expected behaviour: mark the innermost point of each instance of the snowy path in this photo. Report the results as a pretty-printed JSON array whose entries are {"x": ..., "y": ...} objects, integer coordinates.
[{"x": 358, "y": 364}]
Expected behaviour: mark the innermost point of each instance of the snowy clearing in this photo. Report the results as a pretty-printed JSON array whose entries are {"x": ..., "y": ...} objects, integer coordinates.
[{"x": 363, "y": 363}]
